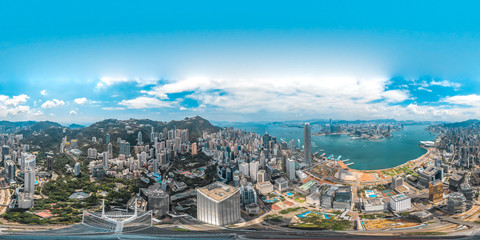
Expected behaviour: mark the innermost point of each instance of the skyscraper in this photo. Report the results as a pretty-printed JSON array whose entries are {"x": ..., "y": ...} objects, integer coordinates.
[
  {"x": 107, "y": 138},
  {"x": 290, "y": 169},
  {"x": 307, "y": 141},
  {"x": 76, "y": 169},
  {"x": 29, "y": 180},
  {"x": 140, "y": 141}
]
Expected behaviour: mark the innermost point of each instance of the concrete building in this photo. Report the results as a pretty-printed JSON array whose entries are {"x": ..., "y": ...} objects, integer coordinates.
[
  {"x": 454, "y": 182},
  {"x": 49, "y": 163},
  {"x": 467, "y": 190},
  {"x": 264, "y": 187},
  {"x": 218, "y": 204},
  {"x": 435, "y": 191},
  {"x": 194, "y": 148},
  {"x": 25, "y": 200},
  {"x": 248, "y": 194},
  {"x": 430, "y": 174},
  {"x": 343, "y": 198},
  {"x": 374, "y": 205},
  {"x": 29, "y": 184},
  {"x": 105, "y": 159},
  {"x": 456, "y": 203},
  {"x": 307, "y": 144},
  {"x": 253, "y": 170},
  {"x": 92, "y": 153},
  {"x": 397, "y": 182},
  {"x": 400, "y": 202},
  {"x": 281, "y": 184},
  {"x": 290, "y": 169},
  {"x": 76, "y": 169},
  {"x": 158, "y": 200},
  {"x": 326, "y": 200},
  {"x": 11, "y": 168},
  {"x": 261, "y": 175}
]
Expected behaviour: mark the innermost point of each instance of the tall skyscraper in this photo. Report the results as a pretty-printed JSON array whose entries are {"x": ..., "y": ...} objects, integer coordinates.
[
  {"x": 76, "y": 169},
  {"x": 107, "y": 138},
  {"x": 29, "y": 184},
  {"x": 140, "y": 141},
  {"x": 110, "y": 150},
  {"x": 290, "y": 169},
  {"x": 105, "y": 160},
  {"x": 307, "y": 143}
]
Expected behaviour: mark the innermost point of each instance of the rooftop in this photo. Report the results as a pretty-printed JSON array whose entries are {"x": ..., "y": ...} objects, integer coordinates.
[
  {"x": 399, "y": 197},
  {"x": 218, "y": 191}
]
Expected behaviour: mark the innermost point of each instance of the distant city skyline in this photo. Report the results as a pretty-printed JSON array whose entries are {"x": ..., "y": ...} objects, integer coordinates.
[{"x": 249, "y": 62}]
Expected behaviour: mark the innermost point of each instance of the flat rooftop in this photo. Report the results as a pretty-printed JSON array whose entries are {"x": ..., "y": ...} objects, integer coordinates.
[
  {"x": 399, "y": 197},
  {"x": 218, "y": 191}
]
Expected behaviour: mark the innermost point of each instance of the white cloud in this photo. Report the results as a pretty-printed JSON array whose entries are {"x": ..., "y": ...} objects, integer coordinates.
[
  {"x": 424, "y": 89},
  {"x": 113, "y": 108},
  {"x": 53, "y": 103},
  {"x": 108, "y": 81},
  {"x": 445, "y": 83},
  {"x": 145, "y": 102},
  {"x": 12, "y": 106},
  {"x": 14, "y": 101},
  {"x": 183, "y": 109},
  {"x": 471, "y": 100},
  {"x": 80, "y": 100},
  {"x": 396, "y": 96},
  {"x": 43, "y": 92},
  {"x": 73, "y": 113}
]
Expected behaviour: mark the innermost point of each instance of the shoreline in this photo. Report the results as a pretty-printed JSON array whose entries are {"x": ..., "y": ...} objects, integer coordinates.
[{"x": 429, "y": 150}]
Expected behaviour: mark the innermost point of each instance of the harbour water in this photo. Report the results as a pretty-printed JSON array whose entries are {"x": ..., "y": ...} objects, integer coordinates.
[{"x": 365, "y": 154}]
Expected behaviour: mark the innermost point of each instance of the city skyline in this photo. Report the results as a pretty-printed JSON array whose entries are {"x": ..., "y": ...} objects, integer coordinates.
[{"x": 271, "y": 62}]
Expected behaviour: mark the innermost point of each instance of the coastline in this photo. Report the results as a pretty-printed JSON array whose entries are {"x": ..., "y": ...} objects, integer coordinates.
[{"x": 429, "y": 150}]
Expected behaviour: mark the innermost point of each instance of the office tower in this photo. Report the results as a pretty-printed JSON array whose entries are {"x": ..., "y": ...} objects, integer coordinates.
[
  {"x": 243, "y": 167},
  {"x": 107, "y": 138},
  {"x": 158, "y": 201},
  {"x": 110, "y": 150},
  {"x": 218, "y": 204},
  {"x": 261, "y": 176},
  {"x": 332, "y": 129},
  {"x": 253, "y": 170},
  {"x": 435, "y": 191},
  {"x": 194, "y": 148},
  {"x": 10, "y": 171},
  {"x": 307, "y": 143},
  {"x": 290, "y": 169},
  {"x": 248, "y": 194},
  {"x": 5, "y": 151},
  {"x": 29, "y": 184},
  {"x": 139, "y": 140},
  {"x": 76, "y": 169},
  {"x": 105, "y": 160},
  {"x": 456, "y": 203},
  {"x": 143, "y": 158},
  {"x": 49, "y": 163},
  {"x": 292, "y": 145},
  {"x": 125, "y": 148},
  {"x": 397, "y": 182}
]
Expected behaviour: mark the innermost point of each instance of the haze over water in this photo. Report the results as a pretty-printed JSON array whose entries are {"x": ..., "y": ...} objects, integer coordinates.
[{"x": 365, "y": 154}]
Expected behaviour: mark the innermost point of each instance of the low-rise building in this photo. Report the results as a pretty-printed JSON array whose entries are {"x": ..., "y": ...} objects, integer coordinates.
[
  {"x": 400, "y": 202},
  {"x": 374, "y": 205}
]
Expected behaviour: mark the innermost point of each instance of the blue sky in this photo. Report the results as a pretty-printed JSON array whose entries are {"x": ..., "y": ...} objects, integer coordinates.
[{"x": 85, "y": 61}]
